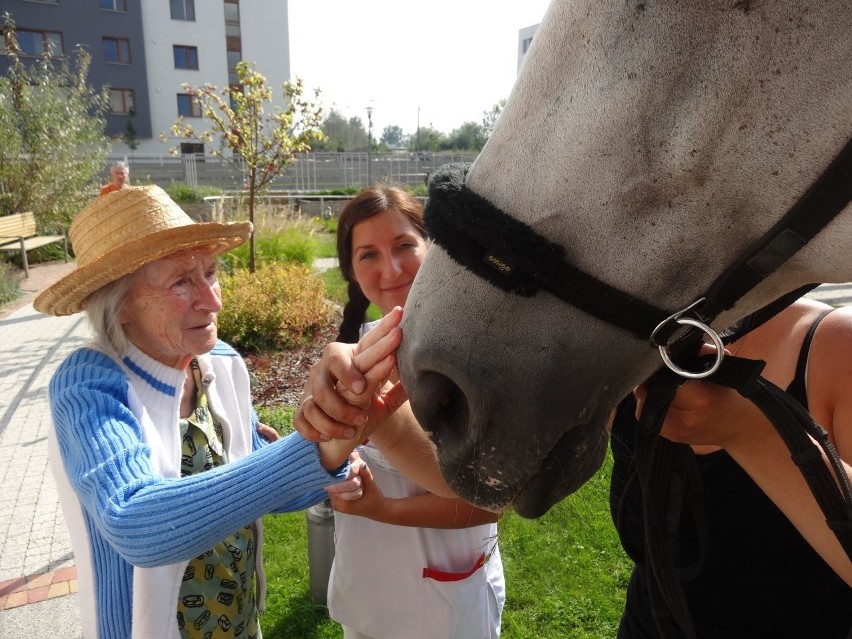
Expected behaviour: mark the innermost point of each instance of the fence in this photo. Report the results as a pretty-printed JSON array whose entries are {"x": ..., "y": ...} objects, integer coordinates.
[
  {"x": 309, "y": 171},
  {"x": 224, "y": 208}
]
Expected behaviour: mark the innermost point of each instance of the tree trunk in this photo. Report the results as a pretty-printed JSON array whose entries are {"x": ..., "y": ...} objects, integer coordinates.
[{"x": 252, "y": 182}]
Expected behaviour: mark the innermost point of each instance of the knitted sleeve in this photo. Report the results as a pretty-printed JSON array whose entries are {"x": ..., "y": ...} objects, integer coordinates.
[{"x": 151, "y": 520}]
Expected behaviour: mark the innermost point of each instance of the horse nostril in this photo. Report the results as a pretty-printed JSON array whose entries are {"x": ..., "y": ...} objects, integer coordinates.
[{"x": 441, "y": 407}]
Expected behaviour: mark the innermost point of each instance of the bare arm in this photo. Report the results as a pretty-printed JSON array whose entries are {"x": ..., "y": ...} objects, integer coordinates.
[
  {"x": 410, "y": 449},
  {"x": 707, "y": 414},
  {"x": 421, "y": 511}
]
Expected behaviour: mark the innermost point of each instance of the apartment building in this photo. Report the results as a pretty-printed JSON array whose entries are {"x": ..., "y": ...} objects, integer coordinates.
[
  {"x": 525, "y": 38},
  {"x": 145, "y": 51}
]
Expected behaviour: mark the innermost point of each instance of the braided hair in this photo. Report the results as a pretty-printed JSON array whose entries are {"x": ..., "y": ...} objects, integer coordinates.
[{"x": 370, "y": 201}]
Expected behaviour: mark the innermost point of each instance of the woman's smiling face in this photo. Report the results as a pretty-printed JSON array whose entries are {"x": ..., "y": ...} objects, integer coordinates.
[
  {"x": 170, "y": 310},
  {"x": 387, "y": 252}
]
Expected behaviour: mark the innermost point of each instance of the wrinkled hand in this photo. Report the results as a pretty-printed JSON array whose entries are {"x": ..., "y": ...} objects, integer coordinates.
[
  {"x": 352, "y": 487},
  {"x": 347, "y": 387},
  {"x": 267, "y": 432},
  {"x": 371, "y": 502}
]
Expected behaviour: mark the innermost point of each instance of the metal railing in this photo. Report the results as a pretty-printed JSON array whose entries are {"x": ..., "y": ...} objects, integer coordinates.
[
  {"x": 309, "y": 171},
  {"x": 222, "y": 208}
]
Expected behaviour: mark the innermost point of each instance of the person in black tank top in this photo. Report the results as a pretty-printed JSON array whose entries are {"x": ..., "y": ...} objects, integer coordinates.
[{"x": 760, "y": 577}]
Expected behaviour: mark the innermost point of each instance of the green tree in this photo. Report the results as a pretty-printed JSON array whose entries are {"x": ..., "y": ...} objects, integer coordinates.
[
  {"x": 342, "y": 134},
  {"x": 263, "y": 141},
  {"x": 427, "y": 139},
  {"x": 470, "y": 136},
  {"x": 489, "y": 118},
  {"x": 129, "y": 135},
  {"x": 335, "y": 128},
  {"x": 392, "y": 136},
  {"x": 52, "y": 141}
]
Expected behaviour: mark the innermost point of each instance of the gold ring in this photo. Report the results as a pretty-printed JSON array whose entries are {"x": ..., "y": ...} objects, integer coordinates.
[{"x": 306, "y": 400}]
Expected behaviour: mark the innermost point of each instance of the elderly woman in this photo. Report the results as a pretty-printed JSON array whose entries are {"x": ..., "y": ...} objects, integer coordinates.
[
  {"x": 119, "y": 173},
  {"x": 161, "y": 472}
]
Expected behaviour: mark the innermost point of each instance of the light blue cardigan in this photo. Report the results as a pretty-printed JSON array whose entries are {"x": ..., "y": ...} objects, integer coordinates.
[{"x": 134, "y": 522}]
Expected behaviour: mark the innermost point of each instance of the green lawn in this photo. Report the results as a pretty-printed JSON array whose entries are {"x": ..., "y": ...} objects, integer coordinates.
[{"x": 565, "y": 573}]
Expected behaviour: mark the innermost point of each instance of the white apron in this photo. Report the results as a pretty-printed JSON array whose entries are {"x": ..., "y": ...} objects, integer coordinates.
[{"x": 392, "y": 581}]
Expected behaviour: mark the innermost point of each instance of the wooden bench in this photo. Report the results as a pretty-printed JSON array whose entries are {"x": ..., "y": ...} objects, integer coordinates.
[{"x": 18, "y": 234}]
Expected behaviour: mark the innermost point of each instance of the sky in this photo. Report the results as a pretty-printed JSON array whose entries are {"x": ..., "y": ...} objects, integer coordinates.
[{"x": 451, "y": 60}]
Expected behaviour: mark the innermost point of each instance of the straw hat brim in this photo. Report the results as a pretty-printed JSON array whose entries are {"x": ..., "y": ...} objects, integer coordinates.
[{"x": 68, "y": 295}]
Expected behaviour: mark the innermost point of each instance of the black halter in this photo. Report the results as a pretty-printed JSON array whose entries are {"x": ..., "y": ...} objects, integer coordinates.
[{"x": 509, "y": 254}]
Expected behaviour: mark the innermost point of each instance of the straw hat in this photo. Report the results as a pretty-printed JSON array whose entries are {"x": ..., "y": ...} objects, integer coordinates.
[{"x": 118, "y": 233}]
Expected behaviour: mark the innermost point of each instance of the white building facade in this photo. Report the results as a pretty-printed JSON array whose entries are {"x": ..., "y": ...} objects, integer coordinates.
[{"x": 211, "y": 36}]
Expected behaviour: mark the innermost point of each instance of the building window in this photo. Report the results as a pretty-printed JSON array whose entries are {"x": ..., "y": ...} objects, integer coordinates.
[
  {"x": 232, "y": 19},
  {"x": 121, "y": 101},
  {"x": 114, "y": 5},
  {"x": 183, "y": 9},
  {"x": 188, "y": 105},
  {"x": 191, "y": 148},
  {"x": 117, "y": 50},
  {"x": 234, "y": 57},
  {"x": 40, "y": 42},
  {"x": 526, "y": 44},
  {"x": 186, "y": 57}
]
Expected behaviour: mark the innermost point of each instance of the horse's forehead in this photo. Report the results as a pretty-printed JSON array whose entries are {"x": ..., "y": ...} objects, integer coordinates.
[
  {"x": 647, "y": 101},
  {"x": 637, "y": 129}
]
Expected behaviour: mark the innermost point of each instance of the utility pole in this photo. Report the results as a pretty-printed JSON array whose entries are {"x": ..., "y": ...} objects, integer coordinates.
[{"x": 369, "y": 146}]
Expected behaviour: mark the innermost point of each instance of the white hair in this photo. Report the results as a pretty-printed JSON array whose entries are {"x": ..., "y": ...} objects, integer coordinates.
[{"x": 103, "y": 310}]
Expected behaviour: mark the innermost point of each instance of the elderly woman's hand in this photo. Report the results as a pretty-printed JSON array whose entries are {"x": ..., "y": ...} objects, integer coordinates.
[
  {"x": 371, "y": 501},
  {"x": 345, "y": 387},
  {"x": 267, "y": 432},
  {"x": 352, "y": 487}
]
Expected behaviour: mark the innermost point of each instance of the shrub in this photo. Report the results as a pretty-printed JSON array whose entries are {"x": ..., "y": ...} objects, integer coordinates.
[
  {"x": 417, "y": 190},
  {"x": 10, "y": 284},
  {"x": 279, "y": 417},
  {"x": 290, "y": 244},
  {"x": 350, "y": 190},
  {"x": 184, "y": 194},
  {"x": 280, "y": 305},
  {"x": 327, "y": 224}
]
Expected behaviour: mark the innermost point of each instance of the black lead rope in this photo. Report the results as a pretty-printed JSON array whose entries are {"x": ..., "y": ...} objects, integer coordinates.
[
  {"x": 799, "y": 431},
  {"x": 668, "y": 474}
]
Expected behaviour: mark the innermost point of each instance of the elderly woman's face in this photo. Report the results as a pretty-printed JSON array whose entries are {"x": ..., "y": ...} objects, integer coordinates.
[
  {"x": 119, "y": 175},
  {"x": 170, "y": 311}
]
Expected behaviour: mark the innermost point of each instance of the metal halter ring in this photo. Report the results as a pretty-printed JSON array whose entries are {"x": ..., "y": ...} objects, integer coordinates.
[{"x": 717, "y": 342}]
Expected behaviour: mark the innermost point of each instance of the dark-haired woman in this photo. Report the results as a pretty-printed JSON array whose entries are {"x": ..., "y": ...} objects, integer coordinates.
[{"x": 408, "y": 563}]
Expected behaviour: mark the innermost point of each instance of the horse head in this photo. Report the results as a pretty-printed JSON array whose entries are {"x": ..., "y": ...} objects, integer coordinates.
[{"x": 655, "y": 143}]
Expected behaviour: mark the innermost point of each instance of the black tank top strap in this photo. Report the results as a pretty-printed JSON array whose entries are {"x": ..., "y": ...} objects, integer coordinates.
[{"x": 798, "y": 387}]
